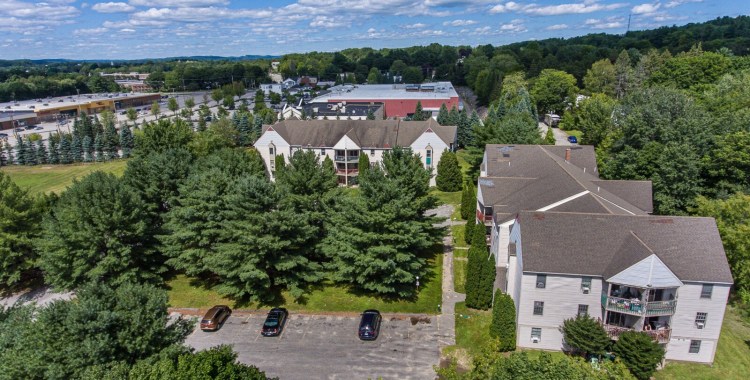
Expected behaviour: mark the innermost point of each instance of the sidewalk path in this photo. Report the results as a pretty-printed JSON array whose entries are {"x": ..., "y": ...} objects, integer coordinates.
[{"x": 447, "y": 318}]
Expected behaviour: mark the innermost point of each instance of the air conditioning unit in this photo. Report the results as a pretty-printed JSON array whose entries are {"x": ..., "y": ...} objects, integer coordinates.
[
  {"x": 700, "y": 325},
  {"x": 540, "y": 285},
  {"x": 534, "y": 340},
  {"x": 586, "y": 290}
]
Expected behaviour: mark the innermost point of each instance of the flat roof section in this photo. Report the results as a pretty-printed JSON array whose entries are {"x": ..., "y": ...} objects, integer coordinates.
[
  {"x": 438, "y": 90},
  {"x": 63, "y": 101}
]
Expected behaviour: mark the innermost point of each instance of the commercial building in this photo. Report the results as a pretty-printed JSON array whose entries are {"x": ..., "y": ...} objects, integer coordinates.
[
  {"x": 60, "y": 108},
  {"x": 344, "y": 140},
  {"x": 400, "y": 100}
]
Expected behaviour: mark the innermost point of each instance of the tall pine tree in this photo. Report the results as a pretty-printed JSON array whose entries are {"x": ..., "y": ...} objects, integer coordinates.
[
  {"x": 76, "y": 149},
  {"x": 9, "y": 159},
  {"x": 41, "y": 153},
  {"x": 419, "y": 113},
  {"x": 54, "y": 154},
  {"x": 21, "y": 152},
  {"x": 64, "y": 149},
  {"x": 87, "y": 149},
  {"x": 442, "y": 117},
  {"x": 99, "y": 148},
  {"x": 127, "y": 143},
  {"x": 111, "y": 142},
  {"x": 503, "y": 325},
  {"x": 449, "y": 177}
]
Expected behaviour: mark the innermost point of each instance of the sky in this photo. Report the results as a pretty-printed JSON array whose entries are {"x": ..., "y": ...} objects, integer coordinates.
[{"x": 136, "y": 29}]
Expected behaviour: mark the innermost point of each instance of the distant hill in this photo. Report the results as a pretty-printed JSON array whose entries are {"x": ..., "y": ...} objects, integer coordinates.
[{"x": 134, "y": 61}]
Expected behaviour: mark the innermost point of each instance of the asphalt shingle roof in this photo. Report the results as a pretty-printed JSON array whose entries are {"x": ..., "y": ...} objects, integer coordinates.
[
  {"x": 365, "y": 133},
  {"x": 604, "y": 244}
]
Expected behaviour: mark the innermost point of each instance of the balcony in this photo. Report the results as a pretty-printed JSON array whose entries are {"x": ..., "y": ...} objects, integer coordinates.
[
  {"x": 346, "y": 158},
  {"x": 483, "y": 217},
  {"x": 347, "y": 171},
  {"x": 637, "y": 307},
  {"x": 661, "y": 335}
]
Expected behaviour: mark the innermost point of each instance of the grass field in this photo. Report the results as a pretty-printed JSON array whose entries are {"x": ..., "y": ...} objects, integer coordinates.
[
  {"x": 732, "y": 356},
  {"x": 185, "y": 293},
  {"x": 472, "y": 328},
  {"x": 55, "y": 178},
  {"x": 458, "y": 235},
  {"x": 460, "y": 252},
  {"x": 459, "y": 276}
]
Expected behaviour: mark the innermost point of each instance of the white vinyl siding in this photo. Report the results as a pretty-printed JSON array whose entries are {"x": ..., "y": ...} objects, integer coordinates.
[
  {"x": 436, "y": 144},
  {"x": 689, "y": 304},
  {"x": 560, "y": 297}
]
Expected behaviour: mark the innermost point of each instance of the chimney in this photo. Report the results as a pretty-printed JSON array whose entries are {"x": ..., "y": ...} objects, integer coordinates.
[{"x": 567, "y": 154}]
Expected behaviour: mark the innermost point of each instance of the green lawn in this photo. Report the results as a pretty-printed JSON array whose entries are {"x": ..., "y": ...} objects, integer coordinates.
[
  {"x": 732, "y": 356},
  {"x": 472, "y": 328},
  {"x": 460, "y": 252},
  {"x": 49, "y": 178},
  {"x": 459, "y": 276},
  {"x": 574, "y": 132},
  {"x": 185, "y": 293},
  {"x": 458, "y": 235}
]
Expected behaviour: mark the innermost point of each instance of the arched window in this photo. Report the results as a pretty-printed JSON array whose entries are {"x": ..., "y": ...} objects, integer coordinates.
[{"x": 428, "y": 156}]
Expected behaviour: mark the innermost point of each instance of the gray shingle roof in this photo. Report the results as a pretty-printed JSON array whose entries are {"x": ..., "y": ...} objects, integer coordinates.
[
  {"x": 365, "y": 133},
  {"x": 603, "y": 244},
  {"x": 531, "y": 177}
]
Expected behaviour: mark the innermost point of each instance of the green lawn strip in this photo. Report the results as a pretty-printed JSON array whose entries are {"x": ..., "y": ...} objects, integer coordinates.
[
  {"x": 462, "y": 155},
  {"x": 460, "y": 253},
  {"x": 472, "y": 328},
  {"x": 55, "y": 178},
  {"x": 732, "y": 359},
  {"x": 448, "y": 198},
  {"x": 324, "y": 298},
  {"x": 459, "y": 276},
  {"x": 458, "y": 235}
]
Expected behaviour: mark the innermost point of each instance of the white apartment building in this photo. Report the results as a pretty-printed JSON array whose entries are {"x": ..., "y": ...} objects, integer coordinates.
[
  {"x": 664, "y": 275},
  {"x": 344, "y": 140}
]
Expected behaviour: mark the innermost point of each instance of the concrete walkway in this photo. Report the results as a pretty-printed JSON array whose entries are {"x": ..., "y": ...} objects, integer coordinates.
[{"x": 447, "y": 317}]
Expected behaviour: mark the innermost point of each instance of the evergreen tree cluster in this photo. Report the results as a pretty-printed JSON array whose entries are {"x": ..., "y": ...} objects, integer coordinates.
[
  {"x": 469, "y": 201},
  {"x": 449, "y": 177},
  {"x": 480, "y": 271},
  {"x": 503, "y": 325}
]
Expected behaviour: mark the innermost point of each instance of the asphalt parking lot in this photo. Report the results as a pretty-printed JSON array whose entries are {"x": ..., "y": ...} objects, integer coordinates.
[{"x": 327, "y": 347}]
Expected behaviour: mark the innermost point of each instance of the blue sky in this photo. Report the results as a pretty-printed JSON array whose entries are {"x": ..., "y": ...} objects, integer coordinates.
[{"x": 132, "y": 29}]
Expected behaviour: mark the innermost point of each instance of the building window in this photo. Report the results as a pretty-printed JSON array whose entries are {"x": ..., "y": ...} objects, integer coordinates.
[
  {"x": 538, "y": 308},
  {"x": 707, "y": 290},
  {"x": 428, "y": 160},
  {"x": 541, "y": 281},
  {"x": 372, "y": 152},
  {"x": 695, "y": 346},
  {"x": 583, "y": 310},
  {"x": 700, "y": 319},
  {"x": 271, "y": 151},
  {"x": 536, "y": 334},
  {"x": 586, "y": 285},
  {"x": 322, "y": 152}
]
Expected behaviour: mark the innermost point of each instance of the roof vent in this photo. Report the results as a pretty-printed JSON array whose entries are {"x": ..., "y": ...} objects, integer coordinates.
[{"x": 486, "y": 182}]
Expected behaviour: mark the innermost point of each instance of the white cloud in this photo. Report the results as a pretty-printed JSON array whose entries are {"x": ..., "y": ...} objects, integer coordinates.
[
  {"x": 586, "y": 6},
  {"x": 515, "y": 26},
  {"x": 557, "y": 27},
  {"x": 608, "y": 23},
  {"x": 482, "y": 31},
  {"x": 418, "y": 25},
  {"x": 459, "y": 23},
  {"x": 90, "y": 32},
  {"x": 646, "y": 8},
  {"x": 330, "y": 22},
  {"x": 177, "y": 3},
  {"x": 197, "y": 14},
  {"x": 113, "y": 7},
  {"x": 675, "y": 3},
  {"x": 127, "y": 30}
]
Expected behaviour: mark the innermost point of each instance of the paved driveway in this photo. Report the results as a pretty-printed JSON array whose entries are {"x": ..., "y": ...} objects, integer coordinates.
[{"x": 327, "y": 347}]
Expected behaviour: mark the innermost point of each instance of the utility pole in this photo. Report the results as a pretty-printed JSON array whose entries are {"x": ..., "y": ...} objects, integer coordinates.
[{"x": 628, "y": 30}]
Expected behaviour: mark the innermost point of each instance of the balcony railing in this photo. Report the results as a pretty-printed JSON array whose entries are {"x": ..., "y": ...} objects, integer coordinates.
[
  {"x": 661, "y": 335},
  {"x": 347, "y": 171},
  {"x": 346, "y": 158},
  {"x": 483, "y": 217},
  {"x": 638, "y": 307}
]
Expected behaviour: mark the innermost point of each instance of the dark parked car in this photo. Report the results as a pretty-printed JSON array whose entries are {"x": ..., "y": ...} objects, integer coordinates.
[
  {"x": 369, "y": 325},
  {"x": 30, "y": 127},
  {"x": 275, "y": 322},
  {"x": 38, "y": 128},
  {"x": 3, "y": 135},
  {"x": 215, "y": 318},
  {"x": 572, "y": 139}
]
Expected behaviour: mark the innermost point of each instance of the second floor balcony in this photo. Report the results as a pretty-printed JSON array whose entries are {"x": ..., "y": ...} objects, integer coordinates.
[
  {"x": 660, "y": 335},
  {"x": 635, "y": 306}
]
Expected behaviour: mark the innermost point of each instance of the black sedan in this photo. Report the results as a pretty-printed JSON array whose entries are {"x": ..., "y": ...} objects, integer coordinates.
[
  {"x": 369, "y": 325},
  {"x": 275, "y": 322}
]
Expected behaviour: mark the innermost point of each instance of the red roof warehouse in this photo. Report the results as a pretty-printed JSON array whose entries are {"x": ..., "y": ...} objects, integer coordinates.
[{"x": 400, "y": 100}]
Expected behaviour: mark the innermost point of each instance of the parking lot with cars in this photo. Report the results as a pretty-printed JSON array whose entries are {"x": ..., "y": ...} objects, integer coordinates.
[{"x": 328, "y": 347}]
